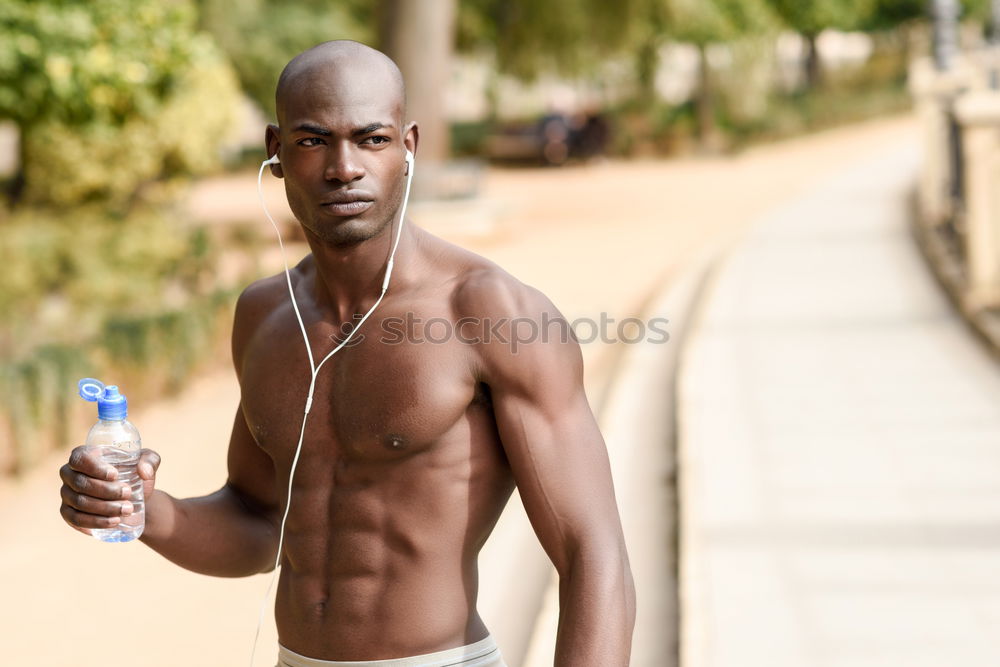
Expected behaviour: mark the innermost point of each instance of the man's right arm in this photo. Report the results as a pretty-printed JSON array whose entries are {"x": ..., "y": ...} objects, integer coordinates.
[
  {"x": 230, "y": 533},
  {"x": 234, "y": 531}
]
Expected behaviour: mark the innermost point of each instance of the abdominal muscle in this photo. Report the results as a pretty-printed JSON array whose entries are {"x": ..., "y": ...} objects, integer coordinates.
[
  {"x": 393, "y": 613},
  {"x": 381, "y": 564}
]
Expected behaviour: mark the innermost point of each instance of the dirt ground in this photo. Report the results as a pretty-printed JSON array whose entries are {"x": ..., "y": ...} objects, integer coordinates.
[{"x": 598, "y": 238}]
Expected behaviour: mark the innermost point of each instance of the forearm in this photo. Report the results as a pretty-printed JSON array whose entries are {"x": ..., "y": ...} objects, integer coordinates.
[
  {"x": 596, "y": 613},
  {"x": 215, "y": 534}
]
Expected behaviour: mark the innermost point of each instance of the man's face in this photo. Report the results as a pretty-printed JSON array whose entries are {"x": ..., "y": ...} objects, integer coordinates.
[{"x": 342, "y": 154}]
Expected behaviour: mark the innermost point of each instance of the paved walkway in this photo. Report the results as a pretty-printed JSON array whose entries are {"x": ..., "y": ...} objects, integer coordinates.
[{"x": 840, "y": 447}]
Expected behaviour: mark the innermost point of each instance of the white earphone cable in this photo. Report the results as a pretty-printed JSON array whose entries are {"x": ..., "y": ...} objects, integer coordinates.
[{"x": 313, "y": 367}]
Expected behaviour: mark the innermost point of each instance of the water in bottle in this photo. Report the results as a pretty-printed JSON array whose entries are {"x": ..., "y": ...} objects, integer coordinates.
[{"x": 119, "y": 443}]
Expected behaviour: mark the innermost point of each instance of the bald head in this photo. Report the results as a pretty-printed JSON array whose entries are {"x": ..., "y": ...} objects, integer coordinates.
[{"x": 341, "y": 63}]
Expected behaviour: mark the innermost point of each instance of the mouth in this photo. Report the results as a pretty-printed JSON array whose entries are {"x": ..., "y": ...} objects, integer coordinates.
[{"x": 347, "y": 203}]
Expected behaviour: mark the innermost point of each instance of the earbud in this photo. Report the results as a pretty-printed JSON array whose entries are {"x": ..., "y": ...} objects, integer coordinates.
[
  {"x": 409, "y": 161},
  {"x": 272, "y": 160}
]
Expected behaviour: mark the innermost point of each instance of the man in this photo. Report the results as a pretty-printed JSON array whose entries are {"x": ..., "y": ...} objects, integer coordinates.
[{"x": 412, "y": 449}]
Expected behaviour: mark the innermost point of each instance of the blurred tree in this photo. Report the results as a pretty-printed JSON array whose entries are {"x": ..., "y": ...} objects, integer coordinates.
[
  {"x": 890, "y": 14},
  {"x": 109, "y": 96},
  {"x": 569, "y": 37},
  {"x": 892, "y": 20},
  {"x": 649, "y": 34},
  {"x": 526, "y": 37},
  {"x": 419, "y": 37},
  {"x": 811, "y": 17},
  {"x": 706, "y": 22},
  {"x": 260, "y": 37},
  {"x": 572, "y": 36},
  {"x": 977, "y": 10}
]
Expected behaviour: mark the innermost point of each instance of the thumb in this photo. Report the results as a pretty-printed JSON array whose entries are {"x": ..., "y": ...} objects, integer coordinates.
[{"x": 149, "y": 461}]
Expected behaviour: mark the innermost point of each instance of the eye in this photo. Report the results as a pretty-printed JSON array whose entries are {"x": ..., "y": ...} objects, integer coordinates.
[
  {"x": 308, "y": 141},
  {"x": 376, "y": 140}
]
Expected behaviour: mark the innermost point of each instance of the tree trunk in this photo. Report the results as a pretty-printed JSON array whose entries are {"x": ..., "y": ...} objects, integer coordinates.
[
  {"x": 994, "y": 27},
  {"x": 16, "y": 186},
  {"x": 493, "y": 96},
  {"x": 419, "y": 35},
  {"x": 704, "y": 102},
  {"x": 647, "y": 64},
  {"x": 813, "y": 65}
]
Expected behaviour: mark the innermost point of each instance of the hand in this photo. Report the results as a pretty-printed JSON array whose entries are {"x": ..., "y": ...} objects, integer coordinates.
[{"x": 92, "y": 496}]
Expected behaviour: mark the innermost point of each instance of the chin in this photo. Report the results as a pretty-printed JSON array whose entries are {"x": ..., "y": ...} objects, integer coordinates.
[{"x": 347, "y": 232}]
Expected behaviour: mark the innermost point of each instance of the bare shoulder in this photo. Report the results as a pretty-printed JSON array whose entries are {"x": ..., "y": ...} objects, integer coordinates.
[
  {"x": 519, "y": 330},
  {"x": 261, "y": 299},
  {"x": 490, "y": 291},
  {"x": 481, "y": 288}
]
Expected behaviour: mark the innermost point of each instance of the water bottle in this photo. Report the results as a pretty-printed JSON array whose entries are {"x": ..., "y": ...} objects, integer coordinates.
[{"x": 119, "y": 444}]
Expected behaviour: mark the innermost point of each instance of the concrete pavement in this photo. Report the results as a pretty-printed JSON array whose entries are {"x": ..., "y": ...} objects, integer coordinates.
[{"x": 839, "y": 447}]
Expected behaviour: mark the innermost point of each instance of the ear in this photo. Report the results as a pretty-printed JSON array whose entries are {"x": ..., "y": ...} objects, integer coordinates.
[
  {"x": 272, "y": 144},
  {"x": 411, "y": 137}
]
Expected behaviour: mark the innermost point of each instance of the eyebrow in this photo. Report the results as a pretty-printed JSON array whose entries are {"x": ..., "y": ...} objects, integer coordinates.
[
  {"x": 324, "y": 132},
  {"x": 371, "y": 127},
  {"x": 313, "y": 129}
]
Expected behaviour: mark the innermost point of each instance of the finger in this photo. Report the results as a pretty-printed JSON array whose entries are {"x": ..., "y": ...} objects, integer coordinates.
[
  {"x": 149, "y": 462},
  {"x": 79, "y": 519},
  {"x": 88, "y": 460},
  {"x": 90, "y": 505},
  {"x": 96, "y": 488}
]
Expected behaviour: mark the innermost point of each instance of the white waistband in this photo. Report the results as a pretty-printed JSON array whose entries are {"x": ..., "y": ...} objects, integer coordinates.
[{"x": 482, "y": 653}]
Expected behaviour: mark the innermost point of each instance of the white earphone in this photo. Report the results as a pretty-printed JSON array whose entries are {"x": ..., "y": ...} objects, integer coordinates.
[
  {"x": 408, "y": 157},
  {"x": 313, "y": 366}
]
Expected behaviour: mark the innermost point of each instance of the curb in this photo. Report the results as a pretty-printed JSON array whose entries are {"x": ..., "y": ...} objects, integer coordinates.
[{"x": 637, "y": 415}]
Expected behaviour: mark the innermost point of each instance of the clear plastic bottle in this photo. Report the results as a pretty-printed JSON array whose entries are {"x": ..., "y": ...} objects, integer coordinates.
[{"x": 119, "y": 443}]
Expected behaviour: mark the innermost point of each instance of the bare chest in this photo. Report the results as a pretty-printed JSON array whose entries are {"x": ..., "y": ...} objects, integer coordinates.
[{"x": 381, "y": 397}]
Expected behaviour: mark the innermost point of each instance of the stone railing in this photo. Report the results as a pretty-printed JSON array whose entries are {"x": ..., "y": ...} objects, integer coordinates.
[{"x": 959, "y": 190}]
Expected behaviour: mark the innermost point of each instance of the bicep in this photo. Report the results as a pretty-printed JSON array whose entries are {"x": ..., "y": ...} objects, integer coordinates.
[
  {"x": 552, "y": 441},
  {"x": 559, "y": 460}
]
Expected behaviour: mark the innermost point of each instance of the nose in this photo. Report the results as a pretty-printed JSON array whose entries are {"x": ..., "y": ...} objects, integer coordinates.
[{"x": 343, "y": 165}]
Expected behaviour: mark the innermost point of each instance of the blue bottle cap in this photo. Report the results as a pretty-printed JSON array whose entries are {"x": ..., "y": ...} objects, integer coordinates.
[
  {"x": 90, "y": 389},
  {"x": 111, "y": 404}
]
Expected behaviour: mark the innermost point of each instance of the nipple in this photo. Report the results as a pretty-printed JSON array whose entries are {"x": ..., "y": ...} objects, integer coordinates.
[{"x": 395, "y": 442}]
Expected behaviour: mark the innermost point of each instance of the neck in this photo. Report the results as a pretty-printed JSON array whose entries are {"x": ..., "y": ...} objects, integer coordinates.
[{"x": 349, "y": 278}]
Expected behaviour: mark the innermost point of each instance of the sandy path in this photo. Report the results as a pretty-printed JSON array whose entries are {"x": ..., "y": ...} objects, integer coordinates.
[{"x": 594, "y": 238}]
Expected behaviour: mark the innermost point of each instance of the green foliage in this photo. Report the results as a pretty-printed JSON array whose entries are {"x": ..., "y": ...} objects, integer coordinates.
[
  {"x": 889, "y": 14},
  {"x": 110, "y": 96},
  {"x": 84, "y": 62},
  {"x": 99, "y": 162},
  {"x": 38, "y": 406},
  {"x": 260, "y": 37},
  {"x": 745, "y": 87},
  {"x": 66, "y": 273},
  {"x": 975, "y": 10},
  {"x": 566, "y": 36},
  {"x": 85, "y": 294},
  {"x": 874, "y": 89},
  {"x": 712, "y": 21},
  {"x": 811, "y": 17}
]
